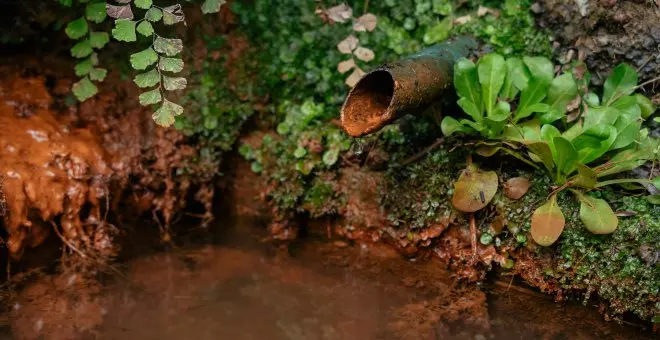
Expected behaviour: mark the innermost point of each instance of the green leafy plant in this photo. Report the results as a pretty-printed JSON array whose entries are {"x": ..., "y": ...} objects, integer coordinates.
[
  {"x": 603, "y": 138},
  {"x": 160, "y": 61}
]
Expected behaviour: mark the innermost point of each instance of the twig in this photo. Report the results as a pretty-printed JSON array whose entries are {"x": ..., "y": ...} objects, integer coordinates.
[
  {"x": 422, "y": 153},
  {"x": 473, "y": 235}
]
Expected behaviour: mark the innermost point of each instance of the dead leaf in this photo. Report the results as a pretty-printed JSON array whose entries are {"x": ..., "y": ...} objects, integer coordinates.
[
  {"x": 347, "y": 45},
  {"x": 483, "y": 10},
  {"x": 463, "y": 20},
  {"x": 119, "y": 12},
  {"x": 346, "y": 66},
  {"x": 354, "y": 77},
  {"x": 474, "y": 189},
  {"x": 515, "y": 188},
  {"x": 364, "y": 54},
  {"x": 547, "y": 223},
  {"x": 340, "y": 13},
  {"x": 367, "y": 22},
  {"x": 499, "y": 223}
]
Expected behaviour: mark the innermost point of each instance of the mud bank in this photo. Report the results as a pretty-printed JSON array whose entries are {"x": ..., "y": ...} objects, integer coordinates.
[
  {"x": 68, "y": 169},
  {"x": 605, "y": 33},
  {"x": 244, "y": 289}
]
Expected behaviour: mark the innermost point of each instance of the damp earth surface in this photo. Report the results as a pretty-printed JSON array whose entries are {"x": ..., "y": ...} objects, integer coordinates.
[{"x": 232, "y": 286}]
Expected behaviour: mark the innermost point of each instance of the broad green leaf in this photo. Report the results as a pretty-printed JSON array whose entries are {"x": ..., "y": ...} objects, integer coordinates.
[
  {"x": 573, "y": 131},
  {"x": 654, "y": 199},
  {"x": 626, "y": 135},
  {"x": 491, "y": 71},
  {"x": 150, "y": 97},
  {"x": 548, "y": 134},
  {"x": 591, "y": 99},
  {"x": 562, "y": 90},
  {"x": 621, "y": 82},
  {"x": 600, "y": 116},
  {"x": 164, "y": 116},
  {"x": 592, "y": 137},
  {"x": 98, "y": 40},
  {"x": 212, "y": 6},
  {"x": 474, "y": 189},
  {"x": 439, "y": 32},
  {"x": 174, "y": 83},
  {"x": 589, "y": 154},
  {"x": 550, "y": 116},
  {"x": 95, "y": 11},
  {"x": 534, "y": 108},
  {"x": 154, "y": 14},
  {"x": 82, "y": 68},
  {"x": 124, "y": 30},
  {"x": 518, "y": 73},
  {"x": 534, "y": 93},
  {"x": 596, "y": 215},
  {"x": 77, "y": 29},
  {"x": 586, "y": 177},
  {"x": 547, "y": 223},
  {"x": 168, "y": 47},
  {"x": 144, "y": 4},
  {"x": 646, "y": 105},
  {"x": 540, "y": 68},
  {"x": 498, "y": 119},
  {"x": 450, "y": 125},
  {"x": 628, "y": 106},
  {"x": 170, "y": 64},
  {"x": 470, "y": 108},
  {"x": 476, "y": 126},
  {"x": 147, "y": 79},
  {"x": 84, "y": 89},
  {"x": 566, "y": 155},
  {"x": 656, "y": 182},
  {"x": 466, "y": 82},
  {"x": 531, "y": 129},
  {"x": 145, "y": 28},
  {"x": 144, "y": 59},
  {"x": 543, "y": 154},
  {"x": 625, "y": 160},
  {"x": 98, "y": 74},
  {"x": 82, "y": 49}
]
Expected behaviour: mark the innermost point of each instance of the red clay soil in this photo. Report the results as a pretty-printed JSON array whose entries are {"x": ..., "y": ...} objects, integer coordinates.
[{"x": 75, "y": 165}]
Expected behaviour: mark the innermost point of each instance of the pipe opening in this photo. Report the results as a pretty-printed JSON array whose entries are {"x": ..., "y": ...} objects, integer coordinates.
[{"x": 366, "y": 107}]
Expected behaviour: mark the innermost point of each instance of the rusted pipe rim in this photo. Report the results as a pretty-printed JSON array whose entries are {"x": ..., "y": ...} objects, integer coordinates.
[{"x": 368, "y": 105}]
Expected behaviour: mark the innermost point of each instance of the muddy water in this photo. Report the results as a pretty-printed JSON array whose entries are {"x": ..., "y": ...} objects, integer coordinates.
[{"x": 241, "y": 289}]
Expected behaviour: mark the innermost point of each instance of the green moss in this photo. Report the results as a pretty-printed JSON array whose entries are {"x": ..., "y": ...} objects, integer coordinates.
[
  {"x": 513, "y": 32},
  {"x": 621, "y": 267}
]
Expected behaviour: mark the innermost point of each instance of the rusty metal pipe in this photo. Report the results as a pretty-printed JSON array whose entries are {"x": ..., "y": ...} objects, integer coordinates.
[{"x": 402, "y": 87}]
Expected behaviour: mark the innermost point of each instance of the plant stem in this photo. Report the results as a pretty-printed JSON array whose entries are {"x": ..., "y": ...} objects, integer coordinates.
[
  {"x": 624, "y": 180},
  {"x": 473, "y": 235},
  {"x": 421, "y": 154},
  {"x": 521, "y": 158}
]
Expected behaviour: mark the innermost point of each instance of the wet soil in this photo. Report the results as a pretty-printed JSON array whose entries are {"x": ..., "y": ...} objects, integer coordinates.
[
  {"x": 605, "y": 33},
  {"x": 241, "y": 288}
]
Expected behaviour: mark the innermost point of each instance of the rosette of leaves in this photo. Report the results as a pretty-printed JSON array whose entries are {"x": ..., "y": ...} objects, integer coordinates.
[
  {"x": 160, "y": 60},
  {"x": 490, "y": 89},
  {"x": 604, "y": 138}
]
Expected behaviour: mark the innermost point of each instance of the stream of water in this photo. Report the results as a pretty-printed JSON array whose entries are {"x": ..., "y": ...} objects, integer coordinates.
[{"x": 241, "y": 289}]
